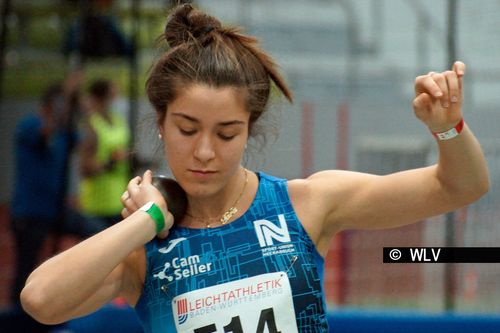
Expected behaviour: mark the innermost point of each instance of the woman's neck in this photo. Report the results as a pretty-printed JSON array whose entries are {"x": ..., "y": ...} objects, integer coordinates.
[{"x": 208, "y": 211}]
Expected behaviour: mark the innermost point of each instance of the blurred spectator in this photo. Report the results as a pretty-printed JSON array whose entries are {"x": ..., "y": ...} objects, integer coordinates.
[
  {"x": 104, "y": 158},
  {"x": 97, "y": 33},
  {"x": 43, "y": 145}
]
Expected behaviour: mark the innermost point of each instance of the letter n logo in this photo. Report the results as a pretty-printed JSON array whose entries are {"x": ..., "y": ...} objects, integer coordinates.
[{"x": 267, "y": 231}]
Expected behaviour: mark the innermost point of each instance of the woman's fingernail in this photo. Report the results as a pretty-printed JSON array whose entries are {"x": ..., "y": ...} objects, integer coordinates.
[{"x": 454, "y": 99}]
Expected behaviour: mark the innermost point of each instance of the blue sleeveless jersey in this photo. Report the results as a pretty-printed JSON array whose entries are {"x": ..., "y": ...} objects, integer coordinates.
[{"x": 259, "y": 273}]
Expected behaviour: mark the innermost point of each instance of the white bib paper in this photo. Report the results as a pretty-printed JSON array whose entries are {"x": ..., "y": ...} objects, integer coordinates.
[{"x": 258, "y": 304}]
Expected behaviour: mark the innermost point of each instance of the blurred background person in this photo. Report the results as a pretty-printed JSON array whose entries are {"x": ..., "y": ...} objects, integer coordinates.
[
  {"x": 104, "y": 163},
  {"x": 43, "y": 144}
]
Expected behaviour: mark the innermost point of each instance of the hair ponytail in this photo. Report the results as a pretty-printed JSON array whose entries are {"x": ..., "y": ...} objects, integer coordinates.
[{"x": 251, "y": 43}]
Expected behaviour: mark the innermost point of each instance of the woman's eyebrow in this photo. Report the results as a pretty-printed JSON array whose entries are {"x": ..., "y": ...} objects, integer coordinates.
[
  {"x": 195, "y": 120},
  {"x": 185, "y": 116},
  {"x": 231, "y": 122}
]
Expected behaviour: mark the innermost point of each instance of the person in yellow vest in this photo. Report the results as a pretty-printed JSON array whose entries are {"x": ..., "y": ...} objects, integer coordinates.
[{"x": 104, "y": 162}]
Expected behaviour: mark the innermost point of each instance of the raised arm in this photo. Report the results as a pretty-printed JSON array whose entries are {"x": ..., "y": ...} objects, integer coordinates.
[
  {"x": 350, "y": 200},
  {"x": 109, "y": 264}
]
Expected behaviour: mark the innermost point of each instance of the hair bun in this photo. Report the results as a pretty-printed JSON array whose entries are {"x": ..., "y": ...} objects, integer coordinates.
[{"x": 186, "y": 23}]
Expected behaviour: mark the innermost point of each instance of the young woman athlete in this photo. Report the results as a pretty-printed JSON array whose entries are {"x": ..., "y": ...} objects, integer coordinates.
[{"x": 248, "y": 254}]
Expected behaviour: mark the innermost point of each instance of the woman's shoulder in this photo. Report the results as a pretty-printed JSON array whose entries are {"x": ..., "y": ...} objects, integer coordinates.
[
  {"x": 316, "y": 192},
  {"x": 315, "y": 198},
  {"x": 311, "y": 185},
  {"x": 308, "y": 208}
]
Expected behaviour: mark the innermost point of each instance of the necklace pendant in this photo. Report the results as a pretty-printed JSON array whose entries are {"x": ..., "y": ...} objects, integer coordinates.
[{"x": 227, "y": 215}]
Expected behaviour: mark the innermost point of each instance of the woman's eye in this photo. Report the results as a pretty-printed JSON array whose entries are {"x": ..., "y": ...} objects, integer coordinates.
[
  {"x": 226, "y": 137},
  {"x": 187, "y": 132}
]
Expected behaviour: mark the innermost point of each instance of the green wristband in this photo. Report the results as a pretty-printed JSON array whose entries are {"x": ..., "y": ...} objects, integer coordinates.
[{"x": 156, "y": 214}]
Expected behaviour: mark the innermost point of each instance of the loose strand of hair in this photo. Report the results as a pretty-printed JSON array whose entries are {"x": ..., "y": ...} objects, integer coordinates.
[{"x": 251, "y": 44}]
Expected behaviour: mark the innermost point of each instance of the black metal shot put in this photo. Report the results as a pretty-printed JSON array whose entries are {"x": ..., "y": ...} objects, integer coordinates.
[{"x": 174, "y": 196}]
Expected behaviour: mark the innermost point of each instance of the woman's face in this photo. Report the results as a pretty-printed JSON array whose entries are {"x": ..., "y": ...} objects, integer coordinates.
[{"x": 205, "y": 132}]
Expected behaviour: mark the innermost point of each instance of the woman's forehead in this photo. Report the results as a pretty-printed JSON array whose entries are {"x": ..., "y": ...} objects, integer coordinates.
[{"x": 202, "y": 102}]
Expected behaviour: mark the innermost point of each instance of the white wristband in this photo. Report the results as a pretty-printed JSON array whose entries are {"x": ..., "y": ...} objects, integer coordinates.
[{"x": 451, "y": 133}]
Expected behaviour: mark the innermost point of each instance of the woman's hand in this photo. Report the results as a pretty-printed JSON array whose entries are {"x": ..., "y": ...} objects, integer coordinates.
[
  {"x": 139, "y": 192},
  {"x": 438, "y": 98}
]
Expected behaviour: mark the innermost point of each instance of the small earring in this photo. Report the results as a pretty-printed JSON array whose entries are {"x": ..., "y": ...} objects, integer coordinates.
[
  {"x": 246, "y": 146},
  {"x": 159, "y": 136}
]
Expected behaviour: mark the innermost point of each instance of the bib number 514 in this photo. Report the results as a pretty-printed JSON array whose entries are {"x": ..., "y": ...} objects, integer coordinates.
[{"x": 266, "y": 319}]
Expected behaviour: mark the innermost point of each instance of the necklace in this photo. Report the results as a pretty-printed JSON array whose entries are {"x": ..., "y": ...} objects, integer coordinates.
[{"x": 228, "y": 214}]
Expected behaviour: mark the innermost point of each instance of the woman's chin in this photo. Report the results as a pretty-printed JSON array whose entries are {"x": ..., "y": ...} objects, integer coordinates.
[{"x": 200, "y": 190}]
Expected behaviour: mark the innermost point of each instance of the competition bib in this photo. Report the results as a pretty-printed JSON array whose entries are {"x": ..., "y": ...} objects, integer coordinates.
[{"x": 258, "y": 304}]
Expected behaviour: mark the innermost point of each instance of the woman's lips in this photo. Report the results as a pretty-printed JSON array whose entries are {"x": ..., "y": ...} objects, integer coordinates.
[{"x": 202, "y": 174}]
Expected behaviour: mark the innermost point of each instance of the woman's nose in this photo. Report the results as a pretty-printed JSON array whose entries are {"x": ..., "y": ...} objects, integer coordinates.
[{"x": 204, "y": 150}]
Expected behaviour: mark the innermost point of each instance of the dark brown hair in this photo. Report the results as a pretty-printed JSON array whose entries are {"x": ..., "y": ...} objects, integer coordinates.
[{"x": 204, "y": 51}]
